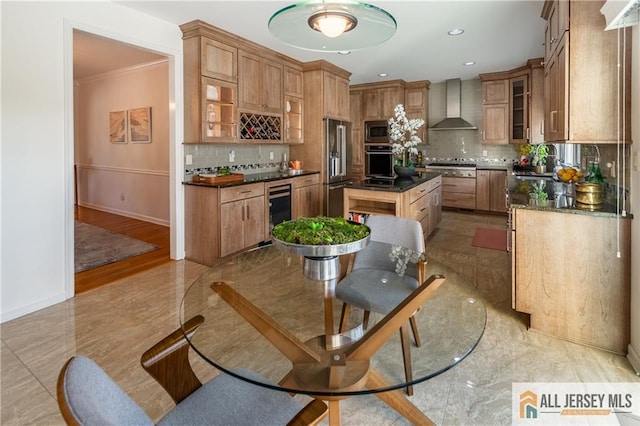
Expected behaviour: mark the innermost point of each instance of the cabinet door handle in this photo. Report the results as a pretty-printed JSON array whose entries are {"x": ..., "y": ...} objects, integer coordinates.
[
  {"x": 528, "y": 133},
  {"x": 247, "y": 207}
]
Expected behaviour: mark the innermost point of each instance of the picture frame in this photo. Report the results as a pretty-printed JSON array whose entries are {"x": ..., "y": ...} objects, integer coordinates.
[
  {"x": 139, "y": 125},
  {"x": 118, "y": 127}
]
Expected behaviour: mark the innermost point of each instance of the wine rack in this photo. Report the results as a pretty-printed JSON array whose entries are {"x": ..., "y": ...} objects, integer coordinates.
[{"x": 260, "y": 127}]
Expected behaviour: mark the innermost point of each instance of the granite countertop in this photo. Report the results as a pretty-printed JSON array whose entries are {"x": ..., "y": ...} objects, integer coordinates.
[
  {"x": 393, "y": 185},
  {"x": 519, "y": 195},
  {"x": 256, "y": 177}
]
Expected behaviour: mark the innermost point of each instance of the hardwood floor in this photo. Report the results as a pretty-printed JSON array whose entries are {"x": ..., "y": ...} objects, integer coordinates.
[{"x": 138, "y": 229}]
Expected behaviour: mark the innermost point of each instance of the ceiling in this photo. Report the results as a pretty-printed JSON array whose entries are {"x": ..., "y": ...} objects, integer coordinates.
[{"x": 498, "y": 35}]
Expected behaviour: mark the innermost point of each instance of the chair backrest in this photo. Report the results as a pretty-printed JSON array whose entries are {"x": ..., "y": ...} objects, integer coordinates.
[
  {"x": 88, "y": 396},
  {"x": 396, "y": 230}
]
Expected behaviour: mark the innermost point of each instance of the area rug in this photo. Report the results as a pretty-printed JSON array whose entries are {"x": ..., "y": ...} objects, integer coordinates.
[
  {"x": 96, "y": 247},
  {"x": 495, "y": 239}
]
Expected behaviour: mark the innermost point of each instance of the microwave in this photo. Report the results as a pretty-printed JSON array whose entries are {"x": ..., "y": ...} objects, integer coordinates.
[{"x": 376, "y": 132}]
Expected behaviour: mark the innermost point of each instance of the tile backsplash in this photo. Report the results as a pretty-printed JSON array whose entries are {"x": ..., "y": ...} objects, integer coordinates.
[{"x": 209, "y": 157}]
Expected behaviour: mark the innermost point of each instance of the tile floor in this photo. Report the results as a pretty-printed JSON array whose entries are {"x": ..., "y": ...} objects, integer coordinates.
[{"x": 115, "y": 324}]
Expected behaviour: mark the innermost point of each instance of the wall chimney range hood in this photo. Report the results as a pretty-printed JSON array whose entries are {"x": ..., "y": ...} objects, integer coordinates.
[{"x": 453, "y": 121}]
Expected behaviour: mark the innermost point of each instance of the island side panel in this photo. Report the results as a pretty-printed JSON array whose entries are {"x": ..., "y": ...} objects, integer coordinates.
[{"x": 569, "y": 278}]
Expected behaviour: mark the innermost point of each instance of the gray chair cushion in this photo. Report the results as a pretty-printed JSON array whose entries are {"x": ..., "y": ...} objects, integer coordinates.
[
  {"x": 375, "y": 290},
  {"x": 95, "y": 399},
  {"x": 226, "y": 400}
]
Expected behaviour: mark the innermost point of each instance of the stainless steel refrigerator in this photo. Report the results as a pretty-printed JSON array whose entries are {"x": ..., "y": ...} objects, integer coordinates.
[{"x": 337, "y": 142}]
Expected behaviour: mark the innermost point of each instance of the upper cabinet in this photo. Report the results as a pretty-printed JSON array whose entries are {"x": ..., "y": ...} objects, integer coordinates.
[
  {"x": 581, "y": 80},
  {"x": 261, "y": 83},
  {"x": 416, "y": 105},
  {"x": 336, "y": 96},
  {"x": 512, "y": 105},
  {"x": 218, "y": 60},
  {"x": 495, "y": 112},
  {"x": 234, "y": 90},
  {"x": 380, "y": 99}
]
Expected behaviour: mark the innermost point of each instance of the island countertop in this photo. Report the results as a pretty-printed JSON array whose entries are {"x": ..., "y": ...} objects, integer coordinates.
[{"x": 397, "y": 185}]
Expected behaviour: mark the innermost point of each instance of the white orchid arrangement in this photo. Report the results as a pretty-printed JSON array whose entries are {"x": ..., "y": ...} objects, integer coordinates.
[{"x": 403, "y": 134}]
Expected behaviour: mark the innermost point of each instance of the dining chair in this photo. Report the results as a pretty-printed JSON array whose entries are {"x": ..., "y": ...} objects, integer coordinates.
[
  {"x": 88, "y": 396},
  {"x": 367, "y": 285}
]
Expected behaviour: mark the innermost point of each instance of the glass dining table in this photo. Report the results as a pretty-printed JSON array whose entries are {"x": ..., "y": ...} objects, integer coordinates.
[{"x": 263, "y": 313}]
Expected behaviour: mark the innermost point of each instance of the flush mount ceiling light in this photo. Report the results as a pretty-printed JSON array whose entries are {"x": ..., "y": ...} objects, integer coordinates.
[
  {"x": 455, "y": 31},
  {"x": 332, "y": 26},
  {"x": 332, "y": 23}
]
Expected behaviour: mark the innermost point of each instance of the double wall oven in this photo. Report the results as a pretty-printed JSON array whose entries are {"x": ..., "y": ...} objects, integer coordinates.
[{"x": 377, "y": 149}]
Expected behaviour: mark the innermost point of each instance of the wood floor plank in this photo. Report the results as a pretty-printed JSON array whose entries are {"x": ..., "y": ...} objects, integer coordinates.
[{"x": 138, "y": 229}]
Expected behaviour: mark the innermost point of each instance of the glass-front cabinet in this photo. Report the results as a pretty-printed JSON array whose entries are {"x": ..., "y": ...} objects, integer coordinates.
[
  {"x": 519, "y": 114},
  {"x": 293, "y": 131},
  {"x": 219, "y": 101}
]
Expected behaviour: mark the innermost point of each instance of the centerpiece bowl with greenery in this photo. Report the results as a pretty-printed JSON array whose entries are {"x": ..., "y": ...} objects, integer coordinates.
[
  {"x": 320, "y": 236},
  {"x": 403, "y": 133}
]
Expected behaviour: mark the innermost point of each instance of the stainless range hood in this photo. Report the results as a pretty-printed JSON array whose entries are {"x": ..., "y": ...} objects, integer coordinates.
[{"x": 453, "y": 120}]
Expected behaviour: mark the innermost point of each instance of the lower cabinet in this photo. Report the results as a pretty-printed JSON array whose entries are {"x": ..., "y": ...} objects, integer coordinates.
[
  {"x": 306, "y": 196},
  {"x": 459, "y": 192},
  {"x": 241, "y": 217},
  {"x": 567, "y": 275},
  {"x": 490, "y": 190},
  {"x": 435, "y": 205}
]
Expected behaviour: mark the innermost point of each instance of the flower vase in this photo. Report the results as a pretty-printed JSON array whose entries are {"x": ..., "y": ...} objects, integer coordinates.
[{"x": 403, "y": 171}]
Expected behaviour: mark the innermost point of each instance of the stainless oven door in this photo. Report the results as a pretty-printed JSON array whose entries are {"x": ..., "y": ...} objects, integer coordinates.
[{"x": 378, "y": 161}]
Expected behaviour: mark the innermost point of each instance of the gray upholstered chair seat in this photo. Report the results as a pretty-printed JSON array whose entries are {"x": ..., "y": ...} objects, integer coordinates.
[
  {"x": 375, "y": 290},
  {"x": 98, "y": 400},
  {"x": 95, "y": 399},
  {"x": 231, "y": 401}
]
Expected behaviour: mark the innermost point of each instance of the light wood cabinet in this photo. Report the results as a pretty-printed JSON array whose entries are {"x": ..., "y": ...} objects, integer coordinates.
[
  {"x": 513, "y": 105},
  {"x": 357, "y": 133},
  {"x": 416, "y": 105},
  {"x": 490, "y": 190},
  {"x": 574, "y": 287},
  {"x": 293, "y": 82},
  {"x": 201, "y": 237},
  {"x": 582, "y": 90},
  {"x": 495, "y": 112},
  {"x": 322, "y": 80},
  {"x": 336, "y": 96},
  {"x": 261, "y": 83},
  {"x": 293, "y": 120},
  {"x": 379, "y": 102},
  {"x": 459, "y": 192},
  {"x": 242, "y": 217},
  {"x": 210, "y": 88},
  {"x": 306, "y": 196},
  {"x": 218, "y": 60},
  {"x": 421, "y": 203}
]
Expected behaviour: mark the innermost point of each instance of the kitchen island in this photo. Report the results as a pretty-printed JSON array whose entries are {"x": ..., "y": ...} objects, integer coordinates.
[
  {"x": 418, "y": 197},
  {"x": 571, "y": 271}
]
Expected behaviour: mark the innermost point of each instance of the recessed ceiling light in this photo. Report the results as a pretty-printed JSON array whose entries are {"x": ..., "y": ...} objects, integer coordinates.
[
  {"x": 466, "y": 64},
  {"x": 344, "y": 52},
  {"x": 455, "y": 31},
  {"x": 383, "y": 74}
]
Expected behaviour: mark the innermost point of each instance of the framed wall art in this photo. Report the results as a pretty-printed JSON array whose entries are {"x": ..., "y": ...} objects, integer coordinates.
[
  {"x": 118, "y": 127},
  {"x": 140, "y": 125}
]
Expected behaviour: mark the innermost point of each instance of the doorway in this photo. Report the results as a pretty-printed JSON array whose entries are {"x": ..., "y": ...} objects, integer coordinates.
[{"x": 108, "y": 180}]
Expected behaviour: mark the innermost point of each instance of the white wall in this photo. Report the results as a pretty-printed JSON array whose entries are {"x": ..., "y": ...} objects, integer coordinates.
[
  {"x": 129, "y": 179},
  {"x": 634, "y": 347},
  {"x": 36, "y": 155}
]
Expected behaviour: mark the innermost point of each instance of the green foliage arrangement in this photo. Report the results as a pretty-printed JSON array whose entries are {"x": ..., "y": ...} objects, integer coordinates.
[{"x": 320, "y": 230}]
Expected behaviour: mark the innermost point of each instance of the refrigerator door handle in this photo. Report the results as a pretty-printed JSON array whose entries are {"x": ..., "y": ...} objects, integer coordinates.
[{"x": 342, "y": 141}]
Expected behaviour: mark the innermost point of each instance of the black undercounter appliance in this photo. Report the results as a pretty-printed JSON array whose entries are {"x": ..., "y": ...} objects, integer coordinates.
[{"x": 337, "y": 143}]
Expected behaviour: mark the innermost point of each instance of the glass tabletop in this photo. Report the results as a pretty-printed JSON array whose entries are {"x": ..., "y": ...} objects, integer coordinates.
[{"x": 261, "y": 313}]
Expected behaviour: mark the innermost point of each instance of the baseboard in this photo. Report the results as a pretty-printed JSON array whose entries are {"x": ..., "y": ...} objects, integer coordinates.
[
  {"x": 125, "y": 213},
  {"x": 634, "y": 359},
  {"x": 24, "y": 310}
]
